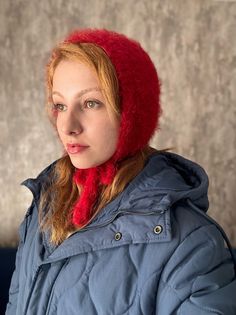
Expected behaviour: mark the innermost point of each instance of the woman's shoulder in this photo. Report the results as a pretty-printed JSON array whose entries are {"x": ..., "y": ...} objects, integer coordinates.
[{"x": 177, "y": 187}]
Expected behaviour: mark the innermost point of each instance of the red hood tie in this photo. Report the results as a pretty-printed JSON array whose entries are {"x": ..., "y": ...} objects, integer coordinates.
[{"x": 90, "y": 180}]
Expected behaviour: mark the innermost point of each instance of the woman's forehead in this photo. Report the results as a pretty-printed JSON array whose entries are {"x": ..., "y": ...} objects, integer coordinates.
[{"x": 71, "y": 74}]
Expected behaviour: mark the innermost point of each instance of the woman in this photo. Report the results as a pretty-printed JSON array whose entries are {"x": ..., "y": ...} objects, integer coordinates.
[{"x": 116, "y": 227}]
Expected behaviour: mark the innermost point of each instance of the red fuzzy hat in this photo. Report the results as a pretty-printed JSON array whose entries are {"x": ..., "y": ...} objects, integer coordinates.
[{"x": 139, "y": 93}]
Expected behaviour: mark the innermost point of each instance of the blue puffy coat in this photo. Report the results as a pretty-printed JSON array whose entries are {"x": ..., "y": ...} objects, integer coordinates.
[{"x": 152, "y": 250}]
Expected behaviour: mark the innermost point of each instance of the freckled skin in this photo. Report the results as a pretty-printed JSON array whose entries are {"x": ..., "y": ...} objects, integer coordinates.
[{"x": 83, "y": 118}]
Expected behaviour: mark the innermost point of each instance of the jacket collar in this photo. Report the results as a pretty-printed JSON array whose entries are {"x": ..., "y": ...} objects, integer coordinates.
[{"x": 145, "y": 204}]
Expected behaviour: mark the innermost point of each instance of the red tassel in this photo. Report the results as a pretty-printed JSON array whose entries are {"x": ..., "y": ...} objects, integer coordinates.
[{"x": 89, "y": 180}]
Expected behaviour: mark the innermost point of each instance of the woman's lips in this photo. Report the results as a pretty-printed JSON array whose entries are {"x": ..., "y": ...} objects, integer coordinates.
[{"x": 75, "y": 148}]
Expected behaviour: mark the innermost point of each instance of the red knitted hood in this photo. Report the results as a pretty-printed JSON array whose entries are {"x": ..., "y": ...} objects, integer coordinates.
[{"x": 139, "y": 93}]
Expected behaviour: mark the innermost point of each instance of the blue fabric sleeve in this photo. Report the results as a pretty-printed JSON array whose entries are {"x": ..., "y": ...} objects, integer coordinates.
[
  {"x": 199, "y": 277},
  {"x": 14, "y": 287}
]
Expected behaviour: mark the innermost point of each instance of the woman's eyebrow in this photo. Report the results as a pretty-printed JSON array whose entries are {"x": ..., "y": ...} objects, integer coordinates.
[{"x": 79, "y": 94}]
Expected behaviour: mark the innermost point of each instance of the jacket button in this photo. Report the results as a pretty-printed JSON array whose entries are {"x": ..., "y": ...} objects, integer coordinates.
[
  {"x": 157, "y": 229},
  {"x": 118, "y": 236}
]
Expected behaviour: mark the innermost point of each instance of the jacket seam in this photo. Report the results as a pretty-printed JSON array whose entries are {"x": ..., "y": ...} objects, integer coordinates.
[{"x": 208, "y": 309}]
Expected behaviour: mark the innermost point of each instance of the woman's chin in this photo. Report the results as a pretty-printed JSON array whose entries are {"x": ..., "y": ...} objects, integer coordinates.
[{"x": 83, "y": 163}]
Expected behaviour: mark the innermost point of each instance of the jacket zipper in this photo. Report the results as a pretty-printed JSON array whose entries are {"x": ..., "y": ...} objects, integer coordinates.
[{"x": 31, "y": 289}]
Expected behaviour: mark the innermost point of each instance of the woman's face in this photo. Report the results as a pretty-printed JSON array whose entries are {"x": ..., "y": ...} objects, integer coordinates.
[{"x": 88, "y": 133}]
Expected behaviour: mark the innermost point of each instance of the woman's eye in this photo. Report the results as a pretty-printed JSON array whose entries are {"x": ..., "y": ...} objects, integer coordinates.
[
  {"x": 92, "y": 104},
  {"x": 59, "y": 107}
]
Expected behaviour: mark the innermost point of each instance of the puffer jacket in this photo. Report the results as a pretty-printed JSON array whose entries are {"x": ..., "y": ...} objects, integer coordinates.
[{"x": 152, "y": 250}]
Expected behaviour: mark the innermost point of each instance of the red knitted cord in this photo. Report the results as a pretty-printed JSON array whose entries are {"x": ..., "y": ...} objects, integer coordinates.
[{"x": 90, "y": 179}]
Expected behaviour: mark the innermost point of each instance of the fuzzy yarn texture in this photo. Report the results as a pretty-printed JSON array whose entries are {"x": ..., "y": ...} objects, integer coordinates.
[{"x": 139, "y": 92}]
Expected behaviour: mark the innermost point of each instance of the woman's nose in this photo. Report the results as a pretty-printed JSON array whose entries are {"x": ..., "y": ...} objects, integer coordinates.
[{"x": 71, "y": 125}]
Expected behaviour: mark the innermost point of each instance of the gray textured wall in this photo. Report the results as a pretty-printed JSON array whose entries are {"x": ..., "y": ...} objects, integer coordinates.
[{"x": 193, "y": 45}]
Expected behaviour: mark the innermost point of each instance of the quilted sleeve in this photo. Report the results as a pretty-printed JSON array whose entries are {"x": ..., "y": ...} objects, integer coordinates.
[
  {"x": 199, "y": 278},
  {"x": 14, "y": 287}
]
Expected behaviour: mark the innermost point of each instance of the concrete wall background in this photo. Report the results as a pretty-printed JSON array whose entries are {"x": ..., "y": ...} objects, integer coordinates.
[{"x": 193, "y": 45}]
